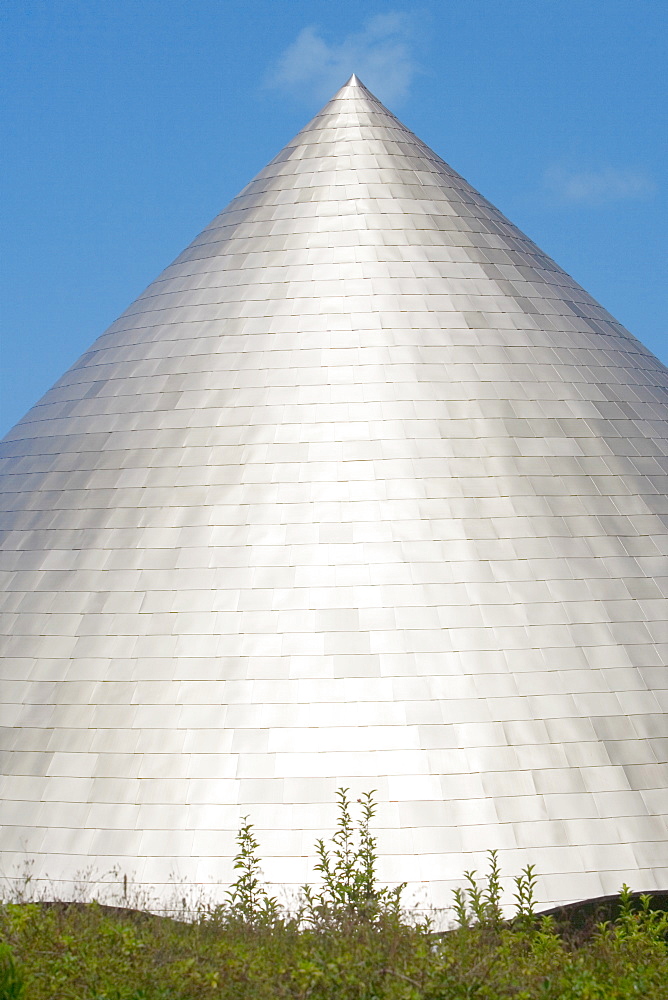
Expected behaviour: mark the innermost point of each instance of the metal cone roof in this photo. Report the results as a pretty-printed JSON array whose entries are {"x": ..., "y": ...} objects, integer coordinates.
[{"x": 363, "y": 491}]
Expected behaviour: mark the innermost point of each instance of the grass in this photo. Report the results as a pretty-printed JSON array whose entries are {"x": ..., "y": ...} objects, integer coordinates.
[{"x": 348, "y": 939}]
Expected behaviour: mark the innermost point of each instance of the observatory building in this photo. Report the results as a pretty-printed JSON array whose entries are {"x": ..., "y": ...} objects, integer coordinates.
[{"x": 363, "y": 491}]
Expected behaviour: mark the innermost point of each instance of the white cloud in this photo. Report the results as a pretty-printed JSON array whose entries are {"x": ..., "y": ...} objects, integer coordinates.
[
  {"x": 598, "y": 187},
  {"x": 379, "y": 54}
]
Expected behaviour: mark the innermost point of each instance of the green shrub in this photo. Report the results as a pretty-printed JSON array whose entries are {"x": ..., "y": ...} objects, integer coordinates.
[
  {"x": 11, "y": 978},
  {"x": 349, "y": 888},
  {"x": 247, "y": 899}
]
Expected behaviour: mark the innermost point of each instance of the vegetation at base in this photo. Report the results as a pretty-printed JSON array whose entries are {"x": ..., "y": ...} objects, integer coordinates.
[{"x": 348, "y": 939}]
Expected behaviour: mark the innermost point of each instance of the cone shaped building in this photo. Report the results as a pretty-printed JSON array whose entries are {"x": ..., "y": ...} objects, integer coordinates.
[{"x": 363, "y": 491}]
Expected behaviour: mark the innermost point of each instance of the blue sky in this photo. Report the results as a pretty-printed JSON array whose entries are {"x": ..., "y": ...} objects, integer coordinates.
[{"x": 127, "y": 126}]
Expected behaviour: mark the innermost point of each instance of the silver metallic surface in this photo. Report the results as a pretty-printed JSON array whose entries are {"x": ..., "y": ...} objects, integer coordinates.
[{"x": 362, "y": 491}]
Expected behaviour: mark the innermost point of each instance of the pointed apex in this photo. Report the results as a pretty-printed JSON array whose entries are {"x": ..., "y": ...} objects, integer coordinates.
[
  {"x": 354, "y": 83},
  {"x": 354, "y": 90}
]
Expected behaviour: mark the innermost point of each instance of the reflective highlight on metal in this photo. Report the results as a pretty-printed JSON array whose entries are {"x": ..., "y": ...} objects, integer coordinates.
[{"x": 362, "y": 491}]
